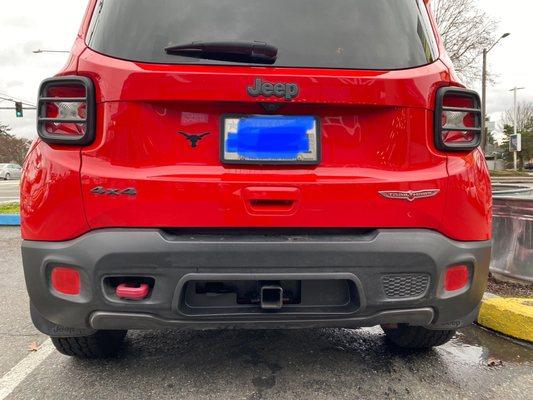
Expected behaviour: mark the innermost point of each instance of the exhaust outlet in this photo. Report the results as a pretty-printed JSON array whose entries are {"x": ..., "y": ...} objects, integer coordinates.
[{"x": 271, "y": 297}]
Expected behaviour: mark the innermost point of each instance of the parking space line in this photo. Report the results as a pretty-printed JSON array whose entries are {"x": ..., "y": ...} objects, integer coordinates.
[{"x": 19, "y": 372}]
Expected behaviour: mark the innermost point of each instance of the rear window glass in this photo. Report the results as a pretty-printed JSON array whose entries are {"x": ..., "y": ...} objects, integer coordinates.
[{"x": 355, "y": 34}]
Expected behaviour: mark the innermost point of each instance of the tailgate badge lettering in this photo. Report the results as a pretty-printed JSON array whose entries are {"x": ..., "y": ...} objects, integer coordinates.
[
  {"x": 267, "y": 89},
  {"x": 100, "y": 190},
  {"x": 410, "y": 195},
  {"x": 194, "y": 139}
]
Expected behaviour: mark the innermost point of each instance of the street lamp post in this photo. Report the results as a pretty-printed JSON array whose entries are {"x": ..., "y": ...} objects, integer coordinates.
[
  {"x": 39, "y": 51},
  {"x": 515, "y": 123},
  {"x": 484, "y": 90}
]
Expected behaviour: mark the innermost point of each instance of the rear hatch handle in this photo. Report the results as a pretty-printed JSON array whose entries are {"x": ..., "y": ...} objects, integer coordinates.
[{"x": 271, "y": 200}]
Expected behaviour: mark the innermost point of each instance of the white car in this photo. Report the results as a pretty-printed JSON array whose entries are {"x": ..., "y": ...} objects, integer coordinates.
[{"x": 10, "y": 171}]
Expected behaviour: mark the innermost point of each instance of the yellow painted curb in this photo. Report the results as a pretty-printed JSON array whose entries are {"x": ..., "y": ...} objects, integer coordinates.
[{"x": 512, "y": 317}]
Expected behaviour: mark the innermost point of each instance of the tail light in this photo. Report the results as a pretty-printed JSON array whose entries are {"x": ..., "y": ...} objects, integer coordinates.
[
  {"x": 457, "y": 120},
  {"x": 67, "y": 111}
]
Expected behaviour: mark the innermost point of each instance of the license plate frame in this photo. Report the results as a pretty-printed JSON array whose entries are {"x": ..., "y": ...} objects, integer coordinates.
[{"x": 310, "y": 157}]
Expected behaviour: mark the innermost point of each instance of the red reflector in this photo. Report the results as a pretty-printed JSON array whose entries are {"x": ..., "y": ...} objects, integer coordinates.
[
  {"x": 67, "y": 129},
  {"x": 66, "y": 280},
  {"x": 457, "y": 277},
  {"x": 66, "y": 90},
  {"x": 458, "y": 100}
]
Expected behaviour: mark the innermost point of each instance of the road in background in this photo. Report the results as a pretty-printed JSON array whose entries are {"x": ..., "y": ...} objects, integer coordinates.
[
  {"x": 9, "y": 191},
  {"x": 254, "y": 364}
]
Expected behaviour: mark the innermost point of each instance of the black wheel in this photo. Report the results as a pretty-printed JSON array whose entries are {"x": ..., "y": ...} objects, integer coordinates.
[
  {"x": 417, "y": 337},
  {"x": 7, "y": 177},
  {"x": 102, "y": 344}
]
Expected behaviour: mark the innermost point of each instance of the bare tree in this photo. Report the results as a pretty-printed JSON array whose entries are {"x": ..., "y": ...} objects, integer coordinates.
[
  {"x": 12, "y": 149},
  {"x": 466, "y": 31},
  {"x": 524, "y": 117},
  {"x": 524, "y": 124}
]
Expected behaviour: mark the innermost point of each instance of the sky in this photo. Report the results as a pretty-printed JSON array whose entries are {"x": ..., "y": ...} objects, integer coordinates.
[{"x": 27, "y": 25}]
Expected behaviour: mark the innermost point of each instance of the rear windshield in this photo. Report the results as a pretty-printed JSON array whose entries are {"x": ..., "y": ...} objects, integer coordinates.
[{"x": 355, "y": 34}]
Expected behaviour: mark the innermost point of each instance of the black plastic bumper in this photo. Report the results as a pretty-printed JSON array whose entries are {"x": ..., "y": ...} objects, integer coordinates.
[{"x": 174, "y": 258}]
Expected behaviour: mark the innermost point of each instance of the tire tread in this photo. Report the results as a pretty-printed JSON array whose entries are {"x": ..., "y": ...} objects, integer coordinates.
[
  {"x": 417, "y": 337},
  {"x": 102, "y": 344}
]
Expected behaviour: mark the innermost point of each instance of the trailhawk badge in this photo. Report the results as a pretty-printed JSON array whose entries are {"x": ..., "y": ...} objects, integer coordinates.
[{"x": 410, "y": 195}]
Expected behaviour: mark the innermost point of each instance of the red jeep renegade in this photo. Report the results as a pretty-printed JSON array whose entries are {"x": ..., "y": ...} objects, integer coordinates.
[{"x": 255, "y": 164}]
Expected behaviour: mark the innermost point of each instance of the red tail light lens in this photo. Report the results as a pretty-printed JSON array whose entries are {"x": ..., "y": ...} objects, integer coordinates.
[
  {"x": 67, "y": 111},
  {"x": 457, "y": 277},
  {"x": 66, "y": 280},
  {"x": 457, "y": 120}
]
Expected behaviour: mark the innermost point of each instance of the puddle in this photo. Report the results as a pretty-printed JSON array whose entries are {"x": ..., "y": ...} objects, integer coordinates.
[{"x": 477, "y": 346}]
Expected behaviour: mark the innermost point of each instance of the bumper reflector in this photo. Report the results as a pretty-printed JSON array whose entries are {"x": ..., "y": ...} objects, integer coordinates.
[
  {"x": 66, "y": 280},
  {"x": 457, "y": 277}
]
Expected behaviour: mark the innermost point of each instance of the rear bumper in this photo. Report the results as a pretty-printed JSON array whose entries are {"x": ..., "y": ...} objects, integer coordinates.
[{"x": 174, "y": 258}]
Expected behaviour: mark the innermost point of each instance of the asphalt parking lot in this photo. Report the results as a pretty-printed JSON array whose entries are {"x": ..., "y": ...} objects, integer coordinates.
[
  {"x": 9, "y": 191},
  {"x": 251, "y": 365}
]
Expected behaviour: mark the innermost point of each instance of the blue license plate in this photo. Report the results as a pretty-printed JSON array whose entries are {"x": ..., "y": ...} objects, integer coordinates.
[{"x": 270, "y": 139}]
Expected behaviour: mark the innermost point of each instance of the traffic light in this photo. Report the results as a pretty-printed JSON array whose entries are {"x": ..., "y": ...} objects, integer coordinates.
[{"x": 18, "y": 109}]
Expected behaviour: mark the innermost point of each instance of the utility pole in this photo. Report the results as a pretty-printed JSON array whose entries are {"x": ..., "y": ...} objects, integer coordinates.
[
  {"x": 484, "y": 102},
  {"x": 484, "y": 92},
  {"x": 515, "y": 123}
]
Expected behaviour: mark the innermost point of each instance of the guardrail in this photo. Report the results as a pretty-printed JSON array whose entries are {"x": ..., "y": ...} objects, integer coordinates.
[
  {"x": 512, "y": 252},
  {"x": 513, "y": 179},
  {"x": 500, "y": 189}
]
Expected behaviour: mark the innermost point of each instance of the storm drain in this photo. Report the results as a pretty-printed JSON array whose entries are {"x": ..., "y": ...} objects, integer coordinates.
[{"x": 405, "y": 285}]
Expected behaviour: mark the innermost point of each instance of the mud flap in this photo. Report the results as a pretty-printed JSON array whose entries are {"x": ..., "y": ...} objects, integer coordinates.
[{"x": 53, "y": 330}]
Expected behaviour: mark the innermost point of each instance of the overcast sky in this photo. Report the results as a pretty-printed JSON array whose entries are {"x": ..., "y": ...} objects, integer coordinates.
[{"x": 27, "y": 25}]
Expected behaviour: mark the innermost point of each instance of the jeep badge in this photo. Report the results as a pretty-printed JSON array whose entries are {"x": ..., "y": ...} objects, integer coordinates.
[{"x": 267, "y": 89}]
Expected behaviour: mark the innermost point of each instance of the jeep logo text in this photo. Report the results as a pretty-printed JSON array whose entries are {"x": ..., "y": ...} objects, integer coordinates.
[{"x": 267, "y": 89}]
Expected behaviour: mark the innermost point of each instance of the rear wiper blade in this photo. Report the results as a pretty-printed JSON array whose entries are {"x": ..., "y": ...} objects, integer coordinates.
[{"x": 250, "y": 52}]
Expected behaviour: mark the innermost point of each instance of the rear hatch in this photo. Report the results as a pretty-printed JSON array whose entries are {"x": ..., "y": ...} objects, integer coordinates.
[{"x": 364, "y": 71}]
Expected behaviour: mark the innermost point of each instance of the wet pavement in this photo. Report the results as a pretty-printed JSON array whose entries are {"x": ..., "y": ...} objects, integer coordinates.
[{"x": 253, "y": 365}]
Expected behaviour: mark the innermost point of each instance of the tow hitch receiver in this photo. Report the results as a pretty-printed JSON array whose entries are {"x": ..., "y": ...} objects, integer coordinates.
[{"x": 271, "y": 297}]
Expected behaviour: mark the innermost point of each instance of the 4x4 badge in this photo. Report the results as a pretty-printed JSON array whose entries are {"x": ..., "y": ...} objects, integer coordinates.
[
  {"x": 410, "y": 195},
  {"x": 194, "y": 139},
  {"x": 287, "y": 90},
  {"x": 100, "y": 190}
]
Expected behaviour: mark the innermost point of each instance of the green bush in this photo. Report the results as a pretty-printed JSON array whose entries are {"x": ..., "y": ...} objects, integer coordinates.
[{"x": 10, "y": 208}]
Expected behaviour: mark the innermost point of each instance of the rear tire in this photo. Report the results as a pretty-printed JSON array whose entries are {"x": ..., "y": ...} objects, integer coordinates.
[
  {"x": 417, "y": 337},
  {"x": 102, "y": 344},
  {"x": 7, "y": 177}
]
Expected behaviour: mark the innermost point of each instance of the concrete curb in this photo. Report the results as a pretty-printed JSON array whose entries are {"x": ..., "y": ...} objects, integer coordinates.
[
  {"x": 510, "y": 316},
  {"x": 9, "y": 220}
]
